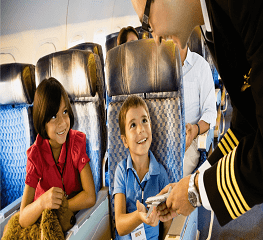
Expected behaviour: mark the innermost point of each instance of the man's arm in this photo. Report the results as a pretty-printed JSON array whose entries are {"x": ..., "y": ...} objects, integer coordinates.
[{"x": 192, "y": 132}]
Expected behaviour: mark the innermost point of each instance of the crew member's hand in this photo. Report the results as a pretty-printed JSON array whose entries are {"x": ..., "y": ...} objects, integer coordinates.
[{"x": 177, "y": 202}]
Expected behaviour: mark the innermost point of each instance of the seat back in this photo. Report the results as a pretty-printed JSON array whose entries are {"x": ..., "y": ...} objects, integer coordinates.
[
  {"x": 195, "y": 43},
  {"x": 154, "y": 73},
  {"x": 81, "y": 75},
  {"x": 97, "y": 50},
  {"x": 17, "y": 88},
  {"x": 111, "y": 39},
  {"x": 93, "y": 47}
]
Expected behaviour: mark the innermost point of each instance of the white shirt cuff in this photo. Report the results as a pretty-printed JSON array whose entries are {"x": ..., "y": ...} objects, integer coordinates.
[
  {"x": 204, "y": 166},
  {"x": 203, "y": 195}
]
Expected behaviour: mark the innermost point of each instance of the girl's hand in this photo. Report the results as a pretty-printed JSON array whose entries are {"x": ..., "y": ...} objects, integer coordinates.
[
  {"x": 52, "y": 198},
  {"x": 153, "y": 218}
]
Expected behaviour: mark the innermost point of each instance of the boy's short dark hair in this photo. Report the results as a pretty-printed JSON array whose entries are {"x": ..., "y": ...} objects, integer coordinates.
[
  {"x": 47, "y": 102},
  {"x": 131, "y": 101},
  {"x": 122, "y": 37}
]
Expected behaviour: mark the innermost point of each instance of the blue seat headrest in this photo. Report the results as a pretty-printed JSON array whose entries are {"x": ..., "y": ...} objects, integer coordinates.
[
  {"x": 142, "y": 67},
  {"x": 75, "y": 69},
  {"x": 17, "y": 83}
]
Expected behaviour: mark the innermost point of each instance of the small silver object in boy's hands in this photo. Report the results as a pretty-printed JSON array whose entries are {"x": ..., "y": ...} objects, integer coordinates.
[{"x": 156, "y": 200}]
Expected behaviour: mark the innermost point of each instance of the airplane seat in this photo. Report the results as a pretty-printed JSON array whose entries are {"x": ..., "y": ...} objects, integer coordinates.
[
  {"x": 80, "y": 72},
  {"x": 111, "y": 39},
  {"x": 17, "y": 89},
  {"x": 195, "y": 41},
  {"x": 93, "y": 47},
  {"x": 111, "y": 42},
  {"x": 97, "y": 50},
  {"x": 154, "y": 73}
]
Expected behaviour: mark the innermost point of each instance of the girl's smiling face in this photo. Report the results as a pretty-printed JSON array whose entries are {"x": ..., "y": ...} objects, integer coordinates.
[{"x": 58, "y": 127}]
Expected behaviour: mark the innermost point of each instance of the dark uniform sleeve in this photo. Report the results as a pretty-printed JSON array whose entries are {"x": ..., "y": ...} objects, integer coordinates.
[{"x": 234, "y": 182}]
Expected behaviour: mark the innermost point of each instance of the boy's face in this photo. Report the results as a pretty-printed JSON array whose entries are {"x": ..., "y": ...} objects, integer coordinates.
[{"x": 138, "y": 132}]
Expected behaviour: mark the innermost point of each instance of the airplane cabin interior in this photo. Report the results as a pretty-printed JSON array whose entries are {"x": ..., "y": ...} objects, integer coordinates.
[{"x": 76, "y": 43}]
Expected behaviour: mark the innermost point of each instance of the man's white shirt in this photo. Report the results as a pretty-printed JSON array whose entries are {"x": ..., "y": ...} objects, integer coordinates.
[{"x": 206, "y": 164}]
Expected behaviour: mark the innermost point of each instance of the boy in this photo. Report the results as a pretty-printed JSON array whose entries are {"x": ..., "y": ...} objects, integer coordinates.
[{"x": 139, "y": 176}]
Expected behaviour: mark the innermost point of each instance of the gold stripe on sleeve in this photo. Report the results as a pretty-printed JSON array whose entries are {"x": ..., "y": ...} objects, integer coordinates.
[
  {"x": 223, "y": 141},
  {"x": 225, "y": 189},
  {"x": 219, "y": 177},
  {"x": 233, "y": 136},
  {"x": 222, "y": 149},
  {"x": 233, "y": 194},
  {"x": 236, "y": 187},
  {"x": 230, "y": 141}
]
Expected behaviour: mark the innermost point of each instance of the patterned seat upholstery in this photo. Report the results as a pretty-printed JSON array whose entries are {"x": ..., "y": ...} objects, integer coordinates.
[
  {"x": 153, "y": 73},
  {"x": 80, "y": 73},
  {"x": 17, "y": 88}
]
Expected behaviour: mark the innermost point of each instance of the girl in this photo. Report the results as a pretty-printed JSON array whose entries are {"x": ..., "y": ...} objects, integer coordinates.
[{"x": 57, "y": 163}]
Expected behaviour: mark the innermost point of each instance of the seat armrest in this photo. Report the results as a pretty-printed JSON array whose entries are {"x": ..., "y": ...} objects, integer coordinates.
[
  {"x": 177, "y": 226},
  {"x": 104, "y": 170},
  {"x": 7, "y": 212},
  {"x": 184, "y": 227},
  {"x": 10, "y": 209},
  {"x": 205, "y": 140},
  {"x": 83, "y": 215}
]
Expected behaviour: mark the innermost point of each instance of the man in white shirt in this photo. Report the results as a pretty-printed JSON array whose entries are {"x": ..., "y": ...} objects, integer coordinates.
[
  {"x": 200, "y": 104},
  {"x": 228, "y": 182}
]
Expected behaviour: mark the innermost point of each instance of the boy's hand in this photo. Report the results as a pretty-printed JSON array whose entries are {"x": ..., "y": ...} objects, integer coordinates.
[
  {"x": 52, "y": 198},
  {"x": 152, "y": 220}
]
